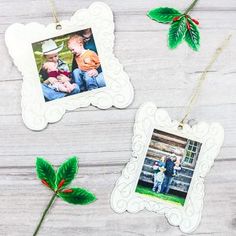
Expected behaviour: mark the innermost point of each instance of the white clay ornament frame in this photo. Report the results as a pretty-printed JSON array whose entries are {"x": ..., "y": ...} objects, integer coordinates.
[
  {"x": 124, "y": 198},
  {"x": 36, "y": 112}
]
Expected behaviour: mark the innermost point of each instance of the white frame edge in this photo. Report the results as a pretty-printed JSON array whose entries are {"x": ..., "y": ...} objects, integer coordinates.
[
  {"x": 124, "y": 198},
  {"x": 36, "y": 112}
]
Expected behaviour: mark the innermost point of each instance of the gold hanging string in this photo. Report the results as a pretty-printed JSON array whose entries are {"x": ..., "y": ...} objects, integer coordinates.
[
  {"x": 202, "y": 79},
  {"x": 54, "y": 14}
]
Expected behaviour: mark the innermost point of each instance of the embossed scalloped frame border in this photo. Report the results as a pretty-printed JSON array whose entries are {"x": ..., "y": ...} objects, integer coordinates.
[
  {"x": 36, "y": 112},
  {"x": 124, "y": 198}
]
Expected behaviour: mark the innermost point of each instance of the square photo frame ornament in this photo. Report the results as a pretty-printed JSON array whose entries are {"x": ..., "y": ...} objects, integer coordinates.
[
  {"x": 23, "y": 40},
  {"x": 158, "y": 140}
]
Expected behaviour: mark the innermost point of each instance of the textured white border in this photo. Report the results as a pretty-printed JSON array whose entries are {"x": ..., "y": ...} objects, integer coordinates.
[
  {"x": 36, "y": 112},
  {"x": 124, "y": 198}
]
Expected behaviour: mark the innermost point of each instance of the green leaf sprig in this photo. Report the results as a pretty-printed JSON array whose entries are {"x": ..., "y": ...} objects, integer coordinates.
[
  {"x": 58, "y": 181},
  {"x": 183, "y": 27}
]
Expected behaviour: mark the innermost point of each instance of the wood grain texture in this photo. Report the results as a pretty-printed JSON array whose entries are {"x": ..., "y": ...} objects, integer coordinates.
[{"x": 102, "y": 139}]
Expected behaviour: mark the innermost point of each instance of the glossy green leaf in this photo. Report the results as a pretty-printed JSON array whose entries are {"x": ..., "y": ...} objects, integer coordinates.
[
  {"x": 163, "y": 14},
  {"x": 192, "y": 36},
  {"x": 77, "y": 196},
  {"x": 66, "y": 172},
  {"x": 46, "y": 172},
  {"x": 177, "y": 32}
]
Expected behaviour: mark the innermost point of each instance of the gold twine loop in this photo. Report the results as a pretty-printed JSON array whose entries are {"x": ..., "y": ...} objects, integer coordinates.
[
  {"x": 202, "y": 78},
  {"x": 54, "y": 14}
]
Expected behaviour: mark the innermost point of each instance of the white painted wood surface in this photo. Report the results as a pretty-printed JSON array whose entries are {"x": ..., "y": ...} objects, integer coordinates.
[{"x": 102, "y": 139}]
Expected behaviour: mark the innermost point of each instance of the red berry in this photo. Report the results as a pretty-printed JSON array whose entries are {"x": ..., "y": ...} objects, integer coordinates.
[
  {"x": 45, "y": 182},
  {"x": 188, "y": 25},
  {"x": 195, "y": 21},
  {"x": 176, "y": 18},
  {"x": 68, "y": 191},
  {"x": 61, "y": 183}
]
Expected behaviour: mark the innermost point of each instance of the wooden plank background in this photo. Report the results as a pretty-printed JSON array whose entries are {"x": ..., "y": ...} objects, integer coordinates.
[{"x": 102, "y": 139}]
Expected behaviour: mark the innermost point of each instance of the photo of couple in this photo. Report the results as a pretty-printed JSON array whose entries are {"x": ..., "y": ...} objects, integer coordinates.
[
  {"x": 68, "y": 65},
  {"x": 168, "y": 167}
]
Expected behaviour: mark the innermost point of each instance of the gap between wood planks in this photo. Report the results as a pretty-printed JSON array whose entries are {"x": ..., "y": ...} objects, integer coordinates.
[
  {"x": 102, "y": 165},
  {"x": 133, "y": 108}
]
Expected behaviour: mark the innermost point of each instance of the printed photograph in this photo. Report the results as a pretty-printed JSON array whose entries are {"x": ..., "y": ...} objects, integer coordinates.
[
  {"x": 68, "y": 65},
  {"x": 168, "y": 167}
]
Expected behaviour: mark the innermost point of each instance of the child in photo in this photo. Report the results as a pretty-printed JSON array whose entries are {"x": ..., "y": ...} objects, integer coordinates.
[
  {"x": 89, "y": 43},
  {"x": 55, "y": 85},
  {"x": 86, "y": 60},
  {"x": 158, "y": 179},
  {"x": 161, "y": 162},
  {"x": 54, "y": 72},
  {"x": 155, "y": 168},
  {"x": 177, "y": 167}
]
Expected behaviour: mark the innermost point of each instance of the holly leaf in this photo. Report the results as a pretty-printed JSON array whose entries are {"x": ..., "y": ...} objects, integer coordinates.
[
  {"x": 177, "y": 32},
  {"x": 46, "y": 172},
  {"x": 163, "y": 14},
  {"x": 77, "y": 196},
  {"x": 66, "y": 172},
  {"x": 192, "y": 36}
]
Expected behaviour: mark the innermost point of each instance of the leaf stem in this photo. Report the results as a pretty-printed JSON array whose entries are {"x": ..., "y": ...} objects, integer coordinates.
[
  {"x": 190, "y": 7},
  {"x": 45, "y": 213}
]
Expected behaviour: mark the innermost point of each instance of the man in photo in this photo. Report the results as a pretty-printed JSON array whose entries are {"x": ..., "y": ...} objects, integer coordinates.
[
  {"x": 89, "y": 42},
  {"x": 169, "y": 172}
]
